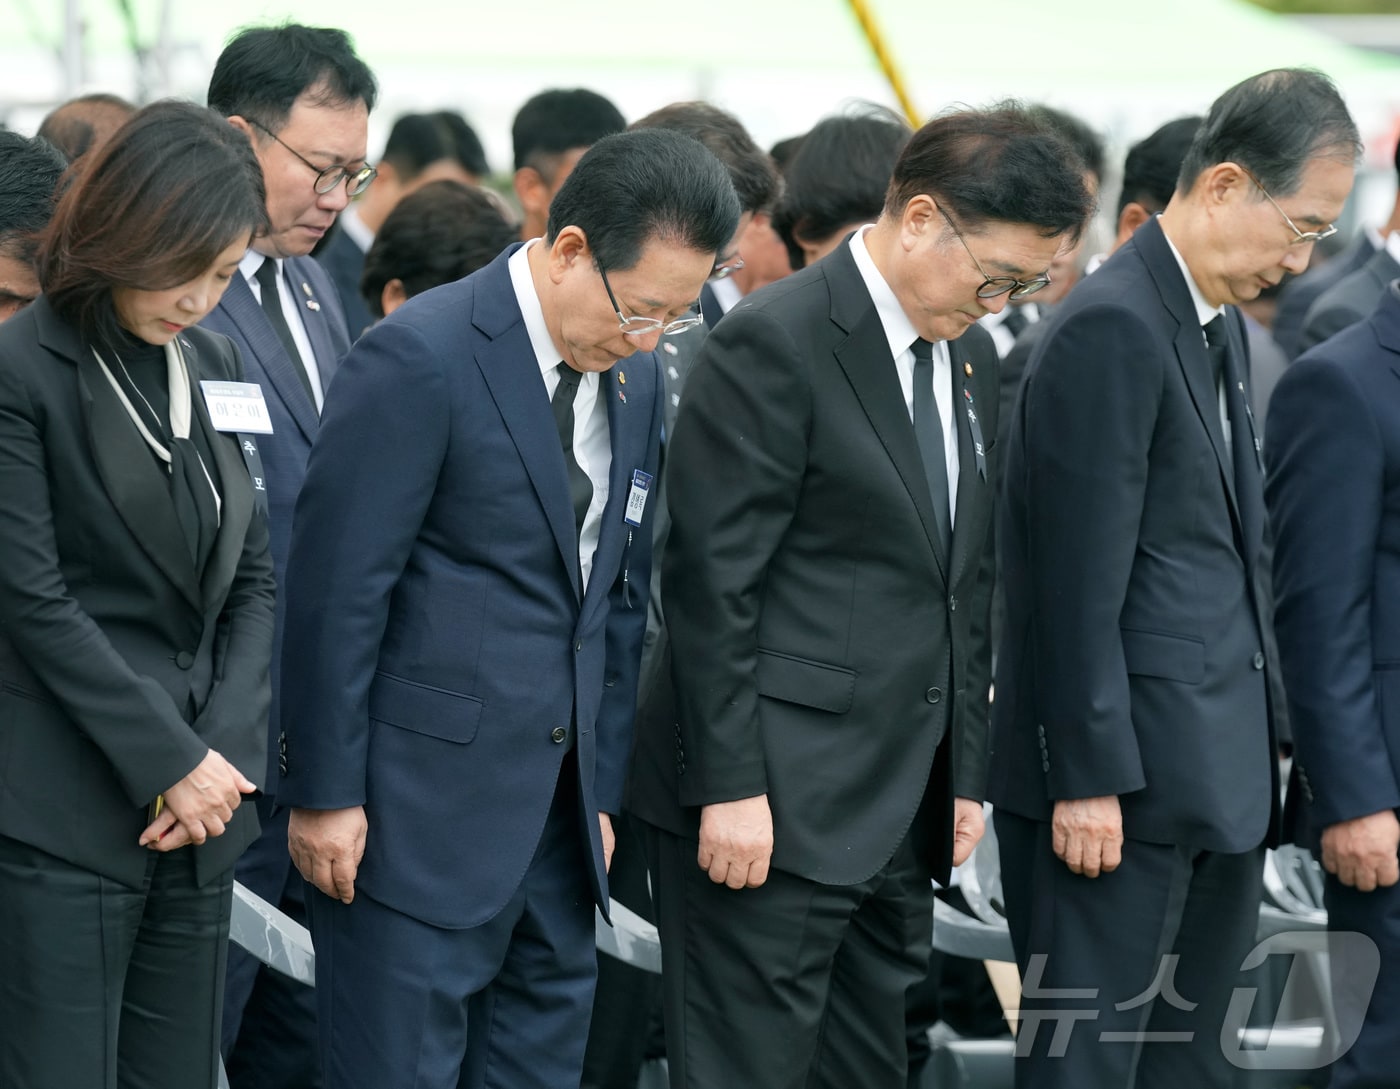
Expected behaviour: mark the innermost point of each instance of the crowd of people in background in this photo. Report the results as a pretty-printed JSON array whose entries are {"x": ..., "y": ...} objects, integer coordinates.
[{"x": 444, "y": 560}]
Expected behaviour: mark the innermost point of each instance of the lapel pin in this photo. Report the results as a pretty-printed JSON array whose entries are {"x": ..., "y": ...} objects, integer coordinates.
[
  {"x": 622, "y": 396},
  {"x": 307, "y": 288},
  {"x": 967, "y": 369},
  {"x": 312, "y": 304},
  {"x": 621, "y": 378},
  {"x": 670, "y": 348}
]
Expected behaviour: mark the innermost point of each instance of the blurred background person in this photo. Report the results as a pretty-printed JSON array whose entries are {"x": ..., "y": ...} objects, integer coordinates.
[
  {"x": 30, "y": 169},
  {"x": 436, "y": 235},
  {"x": 136, "y": 606},
  {"x": 837, "y": 179},
  {"x": 549, "y": 136},
  {"x": 301, "y": 96},
  {"x": 85, "y": 123},
  {"x": 422, "y": 148}
]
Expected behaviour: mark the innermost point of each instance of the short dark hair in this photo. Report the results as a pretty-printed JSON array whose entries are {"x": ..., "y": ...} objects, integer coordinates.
[
  {"x": 1002, "y": 163},
  {"x": 556, "y": 121},
  {"x": 74, "y": 126},
  {"x": 435, "y": 235},
  {"x": 30, "y": 171},
  {"x": 1075, "y": 131},
  {"x": 153, "y": 207},
  {"x": 263, "y": 71},
  {"x": 418, "y": 140},
  {"x": 784, "y": 151},
  {"x": 1273, "y": 124},
  {"x": 651, "y": 183},
  {"x": 750, "y": 167},
  {"x": 839, "y": 175},
  {"x": 1154, "y": 163}
]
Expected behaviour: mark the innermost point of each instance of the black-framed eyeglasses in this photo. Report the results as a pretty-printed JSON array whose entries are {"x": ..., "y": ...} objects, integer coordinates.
[
  {"x": 643, "y": 327},
  {"x": 992, "y": 286},
  {"x": 356, "y": 181},
  {"x": 1300, "y": 238},
  {"x": 723, "y": 272}
]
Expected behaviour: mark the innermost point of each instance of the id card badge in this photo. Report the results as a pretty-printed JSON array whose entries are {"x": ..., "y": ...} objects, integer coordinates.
[
  {"x": 637, "y": 498},
  {"x": 237, "y": 406}
]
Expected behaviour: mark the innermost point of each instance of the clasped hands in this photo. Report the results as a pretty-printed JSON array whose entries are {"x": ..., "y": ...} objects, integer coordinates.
[{"x": 199, "y": 806}]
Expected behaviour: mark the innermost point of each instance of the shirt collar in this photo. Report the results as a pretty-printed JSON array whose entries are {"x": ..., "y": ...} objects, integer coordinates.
[
  {"x": 355, "y": 229},
  {"x": 899, "y": 330},
  {"x": 726, "y": 293},
  {"x": 547, "y": 355},
  {"x": 252, "y": 261},
  {"x": 1204, "y": 311}
]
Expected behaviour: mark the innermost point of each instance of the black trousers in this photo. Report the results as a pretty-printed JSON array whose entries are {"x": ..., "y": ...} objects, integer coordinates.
[
  {"x": 792, "y": 985},
  {"x": 103, "y": 986},
  {"x": 1127, "y": 977}
]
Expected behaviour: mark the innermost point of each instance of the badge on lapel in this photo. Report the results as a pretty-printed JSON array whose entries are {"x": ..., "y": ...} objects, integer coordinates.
[{"x": 311, "y": 303}]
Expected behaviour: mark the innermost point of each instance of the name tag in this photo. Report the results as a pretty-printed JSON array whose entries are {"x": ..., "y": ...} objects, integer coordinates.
[
  {"x": 237, "y": 406},
  {"x": 637, "y": 497}
]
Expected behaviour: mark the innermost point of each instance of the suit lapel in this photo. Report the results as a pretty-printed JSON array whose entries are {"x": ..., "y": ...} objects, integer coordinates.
[
  {"x": 313, "y": 320},
  {"x": 972, "y": 485},
  {"x": 612, "y": 533},
  {"x": 1190, "y": 345},
  {"x": 136, "y": 483},
  {"x": 245, "y": 312},
  {"x": 1245, "y": 448},
  {"x": 864, "y": 356},
  {"x": 237, "y": 499}
]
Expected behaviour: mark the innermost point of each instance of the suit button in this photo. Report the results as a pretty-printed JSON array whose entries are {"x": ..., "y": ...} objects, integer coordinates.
[
  {"x": 558, "y": 734},
  {"x": 184, "y": 659},
  {"x": 1259, "y": 659},
  {"x": 933, "y": 695}
]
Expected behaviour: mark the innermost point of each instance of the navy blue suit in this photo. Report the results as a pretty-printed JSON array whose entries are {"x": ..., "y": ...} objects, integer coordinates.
[
  {"x": 287, "y": 1008},
  {"x": 449, "y": 674},
  {"x": 344, "y": 262},
  {"x": 1334, "y": 494}
]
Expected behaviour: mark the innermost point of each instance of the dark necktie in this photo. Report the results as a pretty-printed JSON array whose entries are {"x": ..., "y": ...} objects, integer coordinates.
[
  {"x": 272, "y": 307},
  {"x": 928, "y": 430},
  {"x": 1216, "y": 347},
  {"x": 580, "y": 487}
]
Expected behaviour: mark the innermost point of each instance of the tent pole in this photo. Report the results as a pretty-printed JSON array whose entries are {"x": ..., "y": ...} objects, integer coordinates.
[{"x": 866, "y": 18}]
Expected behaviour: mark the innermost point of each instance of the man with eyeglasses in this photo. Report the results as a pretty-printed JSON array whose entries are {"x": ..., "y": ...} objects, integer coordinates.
[
  {"x": 303, "y": 98},
  {"x": 827, "y": 586},
  {"x": 466, "y": 599},
  {"x": 1138, "y": 700}
]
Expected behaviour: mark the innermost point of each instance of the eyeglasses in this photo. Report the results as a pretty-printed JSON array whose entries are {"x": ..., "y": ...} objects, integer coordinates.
[
  {"x": 722, "y": 272},
  {"x": 356, "y": 181},
  {"x": 992, "y": 286},
  {"x": 1300, "y": 238},
  {"x": 643, "y": 327}
]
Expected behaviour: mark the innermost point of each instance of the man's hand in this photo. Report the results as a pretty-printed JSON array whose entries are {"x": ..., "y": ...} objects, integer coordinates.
[
  {"x": 1087, "y": 834},
  {"x": 326, "y": 845},
  {"x": 736, "y": 842},
  {"x": 1363, "y": 852},
  {"x": 968, "y": 828},
  {"x": 199, "y": 805},
  {"x": 609, "y": 841}
]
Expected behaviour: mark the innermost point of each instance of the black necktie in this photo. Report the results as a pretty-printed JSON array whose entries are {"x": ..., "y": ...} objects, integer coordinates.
[
  {"x": 1216, "y": 346},
  {"x": 580, "y": 487},
  {"x": 928, "y": 430},
  {"x": 272, "y": 307}
]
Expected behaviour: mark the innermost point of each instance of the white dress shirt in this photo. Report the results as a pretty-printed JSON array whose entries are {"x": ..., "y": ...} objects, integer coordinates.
[
  {"x": 355, "y": 229},
  {"x": 291, "y": 310},
  {"x": 901, "y": 334},
  {"x": 1205, "y": 312},
  {"x": 592, "y": 441},
  {"x": 727, "y": 293}
]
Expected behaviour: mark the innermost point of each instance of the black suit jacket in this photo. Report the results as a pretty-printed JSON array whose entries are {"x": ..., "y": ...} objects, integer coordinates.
[
  {"x": 1334, "y": 494},
  {"x": 1298, "y": 295},
  {"x": 1349, "y": 300},
  {"x": 1138, "y": 657},
  {"x": 824, "y": 649},
  {"x": 120, "y": 664}
]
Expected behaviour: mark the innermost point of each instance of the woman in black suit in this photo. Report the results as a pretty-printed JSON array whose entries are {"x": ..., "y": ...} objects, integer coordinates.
[{"x": 135, "y": 620}]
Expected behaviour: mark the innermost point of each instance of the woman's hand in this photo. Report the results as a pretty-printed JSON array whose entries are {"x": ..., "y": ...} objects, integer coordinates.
[{"x": 199, "y": 806}]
